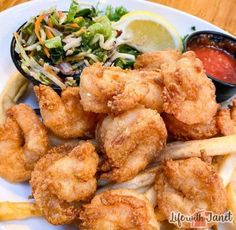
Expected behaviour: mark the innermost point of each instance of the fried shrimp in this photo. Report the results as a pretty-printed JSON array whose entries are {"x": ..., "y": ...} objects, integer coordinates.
[
  {"x": 188, "y": 94},
  {"x": 118, "y": 209},
  {"x": 187, "y": 186},
  {"x": 224, "y": 121},
  {"x": 113, "y": 90},
  {"x": 64, "y": 115},
  {"x": 63, "y": 178},
  {"x": 154, "y": 60},
  {"x": 23, "y": 140},
  {"x": 221, "y": 124},
  {"x": 130, "y": 141},
  {"x": 182, "y": 131}
]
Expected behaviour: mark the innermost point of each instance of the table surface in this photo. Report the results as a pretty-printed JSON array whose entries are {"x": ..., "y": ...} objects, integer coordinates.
[{"x": 219, "y": 12}]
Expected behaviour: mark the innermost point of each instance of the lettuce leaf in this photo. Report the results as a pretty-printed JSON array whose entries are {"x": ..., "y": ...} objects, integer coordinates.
[
  {"x": 53, "y": 42},
  {"x": 101, "y": 26},
  {"x": 74, "y": 7}
]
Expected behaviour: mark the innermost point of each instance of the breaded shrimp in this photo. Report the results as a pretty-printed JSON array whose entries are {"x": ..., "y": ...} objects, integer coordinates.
[
  {"x": 188, "y": 94},
  {"x": 224, "y": 122},
  {"x": 23, "y": 140},
  {"x": 113, "y": 90},
  {"x": 119, "y": 209},
  {"x": 154, "y": 60},
  {"x": 130, "y": 141},
  {"x": 187, "y": 186},
  {"x": 221, "y": 124},
  {"x": 64, "y": 115},
  {"x": 182, "y": 131},
  {"x": 63, "y": 178}
]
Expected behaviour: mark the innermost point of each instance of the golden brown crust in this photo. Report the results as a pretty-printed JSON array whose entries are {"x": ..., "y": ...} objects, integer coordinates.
[
  {"x": 130, "y": 141},
  {"x": 118, "y": 209},
  {"x": 224, "y": 122},
  {"x": 23, "y": 140},
  {"x": 64, "y": 115},
  {"x": 154, "y": 60},
  {"x": 188, "y": 94},
  {"x": 113, "y": 90},
  {"x": 182, "y": 131},
  {"x": 221, "y": 124},
  {"x": 63, "y": 178},
  {"x": 190, "y": 108},
  {"x": 34, "y": 132},
  {"x": 187, "y": 186}
]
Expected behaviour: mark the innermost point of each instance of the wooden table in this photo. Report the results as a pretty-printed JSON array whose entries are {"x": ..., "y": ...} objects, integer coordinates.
[{"x": 219, "y": 12}]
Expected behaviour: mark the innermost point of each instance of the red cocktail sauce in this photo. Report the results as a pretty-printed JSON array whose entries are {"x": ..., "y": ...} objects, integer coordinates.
[{"x": 217, "y": 63}]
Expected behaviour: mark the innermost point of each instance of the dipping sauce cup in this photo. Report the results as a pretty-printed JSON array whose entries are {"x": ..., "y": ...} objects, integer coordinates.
[{"x": 217, "y": 51}]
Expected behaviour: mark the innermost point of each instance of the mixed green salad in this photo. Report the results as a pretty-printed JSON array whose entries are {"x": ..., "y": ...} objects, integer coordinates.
[{"x": 55, "y": 46}]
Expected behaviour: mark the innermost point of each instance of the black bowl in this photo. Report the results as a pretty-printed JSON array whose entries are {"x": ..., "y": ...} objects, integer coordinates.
[
  {"x": 16, "y": 59},
  {"x": 224, "y": 90}
]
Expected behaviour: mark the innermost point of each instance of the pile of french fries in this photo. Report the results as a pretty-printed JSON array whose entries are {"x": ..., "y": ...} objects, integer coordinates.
[{"x": 142, "y": 183}]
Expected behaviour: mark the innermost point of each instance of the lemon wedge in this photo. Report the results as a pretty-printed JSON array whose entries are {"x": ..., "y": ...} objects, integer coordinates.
[{"x": 147, "y": 31}]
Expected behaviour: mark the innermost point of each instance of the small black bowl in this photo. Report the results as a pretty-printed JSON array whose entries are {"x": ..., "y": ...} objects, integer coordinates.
[
  {"x": 16, "y": 59},
  {"x": 224, "y": 90}
]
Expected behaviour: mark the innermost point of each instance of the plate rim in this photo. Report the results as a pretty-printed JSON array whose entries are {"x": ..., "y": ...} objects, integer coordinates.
[{"x": 32, "y": 3}]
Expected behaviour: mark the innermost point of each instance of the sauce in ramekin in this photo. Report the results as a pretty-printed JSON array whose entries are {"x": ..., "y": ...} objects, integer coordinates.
[
  {"x": 217, "y": 63},
  {"x": 217, "y": 52}
]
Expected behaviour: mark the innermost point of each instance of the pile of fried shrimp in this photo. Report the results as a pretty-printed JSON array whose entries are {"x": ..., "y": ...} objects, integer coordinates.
[{"x": 125, "y": 149}]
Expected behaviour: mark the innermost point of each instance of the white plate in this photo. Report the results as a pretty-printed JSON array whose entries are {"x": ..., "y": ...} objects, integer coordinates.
[{"x": 12, "y": 18}]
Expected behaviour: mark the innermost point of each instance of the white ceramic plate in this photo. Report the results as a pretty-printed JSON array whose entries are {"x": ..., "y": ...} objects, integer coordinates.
[{"x": 12, "y": 18}]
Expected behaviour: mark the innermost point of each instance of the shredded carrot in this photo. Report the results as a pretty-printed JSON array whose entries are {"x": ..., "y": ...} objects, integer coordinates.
[
  {"x": 49, "y": 33},
  {"x": 49, "y": 22},
  {"x": 79, "y": 32},
  {"x": 72, "y": 25},
  {"x": 46, "y": 51},
  {"x": 49, "y": 70},
  {"x": 37, "y": 29}
]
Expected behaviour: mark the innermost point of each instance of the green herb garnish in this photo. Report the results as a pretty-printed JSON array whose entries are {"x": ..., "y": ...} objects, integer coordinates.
[{"x": 114, "y": 14}]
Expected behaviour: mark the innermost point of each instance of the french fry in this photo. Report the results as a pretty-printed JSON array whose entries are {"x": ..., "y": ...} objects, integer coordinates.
[
  {"x": 211, "y": 147},
  {"x": 14, "y": 89},
  {"x": 142, "y": 181},
  {"x": 231, "y": 194},
  {"x": 226, "y": 168},
  {"x": 151, "y": 196},
  {"x": 142, "y": 190},
  {"x": 18, "y": 210}
]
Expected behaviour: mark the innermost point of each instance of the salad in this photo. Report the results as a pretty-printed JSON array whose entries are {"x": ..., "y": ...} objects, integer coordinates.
[{"x": 55, "y": 46}]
